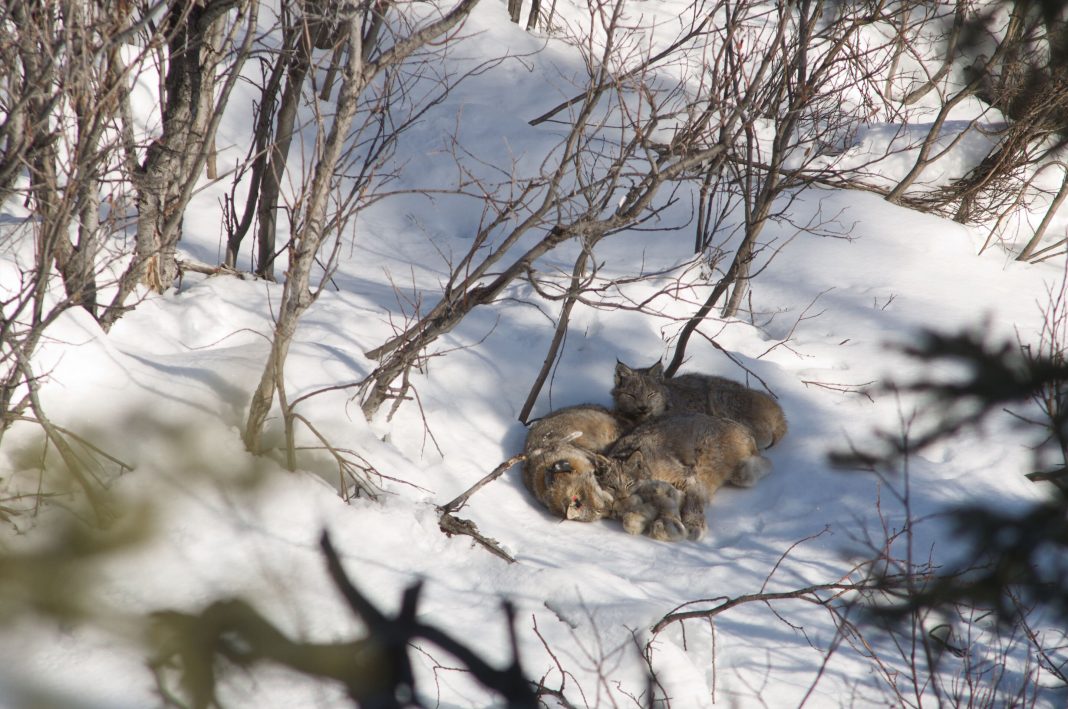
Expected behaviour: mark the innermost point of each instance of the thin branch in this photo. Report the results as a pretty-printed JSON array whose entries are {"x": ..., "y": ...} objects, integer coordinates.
[
  {"x": 450, "y": 524},
  {"x": 808, "y": 593}
]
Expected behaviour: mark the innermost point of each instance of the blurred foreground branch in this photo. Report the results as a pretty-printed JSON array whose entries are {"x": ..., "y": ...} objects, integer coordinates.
[{"x": 376, "y": 670}]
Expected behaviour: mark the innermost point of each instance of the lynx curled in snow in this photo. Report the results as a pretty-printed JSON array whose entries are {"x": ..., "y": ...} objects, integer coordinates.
[
  {"x": 669, "y": 467},
  {"x": 655, "y": 479},
  {"x": 567, "y": 471},
  {"x": 643, "y": 394},
  {"x": 565, "y": 458}
]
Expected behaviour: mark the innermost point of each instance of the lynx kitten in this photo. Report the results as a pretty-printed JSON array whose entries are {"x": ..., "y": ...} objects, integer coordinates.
[
  {"x": 695, "y": 454},
  {"x": 642, "y": 394},
  {"x": 565, "y": 461}
]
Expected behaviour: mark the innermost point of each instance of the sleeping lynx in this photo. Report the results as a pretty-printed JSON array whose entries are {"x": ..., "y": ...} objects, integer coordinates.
[
  {"x": 695, "y": 454},
  {"x": 642, "y": 394},
  {"x": 655, "y": 479},
  {"x": 564, "y": 461}
]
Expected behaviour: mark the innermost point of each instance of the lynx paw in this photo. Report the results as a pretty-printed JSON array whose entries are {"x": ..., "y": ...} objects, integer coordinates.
[
  {"x": 636, "y": 513},
  {"x": 696, "y": 526},
  {"x": 663, "y": 496},
  {"x": 651, "y": 501},
  {"x": 636, "y": 520},
  {"x": 667, "y": 529}
]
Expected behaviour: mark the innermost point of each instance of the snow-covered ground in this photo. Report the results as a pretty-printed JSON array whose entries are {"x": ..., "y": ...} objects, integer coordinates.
[{"x": 167, "y": 390}]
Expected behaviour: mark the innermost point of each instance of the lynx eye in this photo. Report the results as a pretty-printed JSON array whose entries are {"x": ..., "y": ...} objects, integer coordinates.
[{"x": 576, "y": 502}]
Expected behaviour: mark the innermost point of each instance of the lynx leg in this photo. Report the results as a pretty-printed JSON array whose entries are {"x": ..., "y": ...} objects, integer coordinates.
[
  {"x": 636, "y": 515},
  {"x": 637, "y": 512},
  {"x": 693, "y": 515},
  {"x": 750, "y": 471},
  {"x": 667, "y": 529},
  {"x": 653, "y": 509}
]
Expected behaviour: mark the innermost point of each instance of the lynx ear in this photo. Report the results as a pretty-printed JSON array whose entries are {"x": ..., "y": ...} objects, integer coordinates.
[
  {"x": 622, "y": 372},
  {"x": 632, "y": 463},
  {"x": 657, "y": 370}
]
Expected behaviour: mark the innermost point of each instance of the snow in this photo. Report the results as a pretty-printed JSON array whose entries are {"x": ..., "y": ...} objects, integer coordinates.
[{"x": 167, "y": 389}]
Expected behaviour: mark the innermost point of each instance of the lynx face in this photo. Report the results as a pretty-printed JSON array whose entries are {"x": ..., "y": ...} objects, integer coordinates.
[
  {"x": 565, "y": 468},
  {"x": 567, "y": 480},
  {"x": 639, "y": 394},
  {"x": 577, "y": 496}
]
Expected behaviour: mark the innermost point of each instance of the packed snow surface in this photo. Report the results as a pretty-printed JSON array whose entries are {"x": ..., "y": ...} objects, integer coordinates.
[{"x": 167, "y": 389}]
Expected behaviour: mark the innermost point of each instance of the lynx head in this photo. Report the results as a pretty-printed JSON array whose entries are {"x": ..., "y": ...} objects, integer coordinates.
[
  {"x": 639, "y": 394},
  {"x": 632, "y": 466},
  {"x": 573, "y": 491}
]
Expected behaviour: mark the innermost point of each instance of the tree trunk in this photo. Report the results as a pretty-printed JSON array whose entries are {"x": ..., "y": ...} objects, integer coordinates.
[
  {"x": 166, "y": 161},
  {"x": 515, "y": 8},
  {"x": 535, "y": 13},
  {"x": 296, "y": 293},
  {"x": 262, "y": 152},
  {"x": 190, "y": 114},
  {"x": 278, "y": 154}
]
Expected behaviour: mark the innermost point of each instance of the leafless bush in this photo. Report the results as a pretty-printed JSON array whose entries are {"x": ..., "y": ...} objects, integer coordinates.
[
  {"x": 1051, "y": 396},
  {"x": 958, "y": 652},
  {"x": 71, "y": 152},
  {"x": 604, "y": 176},
  {"x": 1010, "y": 55},
  {"x": 713, "y": 107},
  {"x": 201, "y": 47},
  {"x": 325, "y": 206}
]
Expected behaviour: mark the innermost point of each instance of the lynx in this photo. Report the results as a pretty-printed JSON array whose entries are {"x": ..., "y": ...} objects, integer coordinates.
[
  {"x": 695, "y": 454},
  {"x": 565, "y": 461},
  {"x": 650, "y": 507},
  {"x": 642, "y": 394}
]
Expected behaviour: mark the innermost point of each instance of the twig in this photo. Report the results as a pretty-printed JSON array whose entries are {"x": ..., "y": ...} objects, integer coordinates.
[
  {"x": 807, "y": 593},
  {"x": 185, "y": 265},
  {"x": 82, "y": 441},
  {"x": 362, "y": 483},
  {"x": 641, "y": 68},
  {"x": 541, "y": 690},
  {"x": 99, "y": 502},
  {"x": 844, "y": 388},
  {"x": 559, "y": 334},
  {"x": 800, "y": 318},
  {"x": 460, "y": 501},
  {"x": 782, "y": 557},
  {"x": 401, "y": 629},
  {"x": 737, "y": 361},
  {"x": 450, "y": 524}
]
